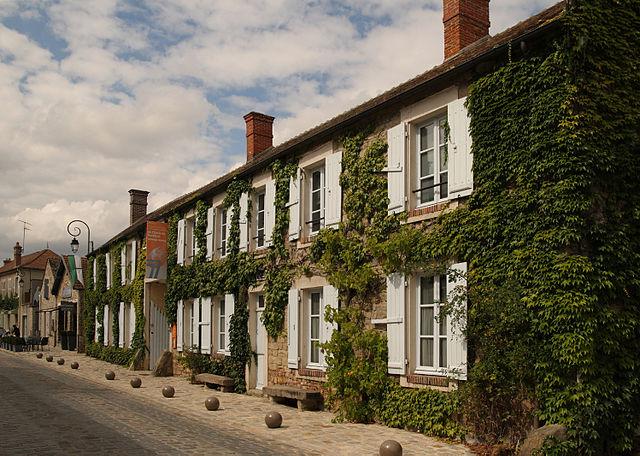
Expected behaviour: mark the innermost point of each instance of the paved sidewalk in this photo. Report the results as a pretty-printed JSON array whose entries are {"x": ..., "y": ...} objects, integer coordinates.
[{"x": 311, "y": 433}]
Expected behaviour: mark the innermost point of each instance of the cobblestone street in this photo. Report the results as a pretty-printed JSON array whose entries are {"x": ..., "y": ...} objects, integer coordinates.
[{"x": 52, "y": 409}]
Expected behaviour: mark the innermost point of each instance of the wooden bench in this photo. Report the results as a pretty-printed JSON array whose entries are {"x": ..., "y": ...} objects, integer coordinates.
[
  {"x": 306, "y": 400},
  {"x": 226, "y": 384}
]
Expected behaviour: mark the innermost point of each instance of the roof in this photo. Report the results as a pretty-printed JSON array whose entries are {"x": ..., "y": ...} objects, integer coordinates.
[
  {"x": 35, "y": 260},
  {"x": 467, "y": 58}
]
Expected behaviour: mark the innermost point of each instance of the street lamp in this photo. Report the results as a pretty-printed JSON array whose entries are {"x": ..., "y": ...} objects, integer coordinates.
[{"x": 76, "y": 232}]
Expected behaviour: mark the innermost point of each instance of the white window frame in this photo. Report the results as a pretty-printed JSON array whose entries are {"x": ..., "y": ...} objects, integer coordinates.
[
  {"x": 224, "y": 232},
  {"x": 440, "y": 330},
  {"x": 321, "y": 212},
  {"x": 435, "y": 123},
  {"x": 221, "y": 334},
  {"x": 309, "y": 317},
  {"x": 261, "y": 230}
]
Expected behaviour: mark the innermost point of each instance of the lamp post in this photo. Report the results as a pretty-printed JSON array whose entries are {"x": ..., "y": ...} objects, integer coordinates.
[{"x": 76, "y": 232}]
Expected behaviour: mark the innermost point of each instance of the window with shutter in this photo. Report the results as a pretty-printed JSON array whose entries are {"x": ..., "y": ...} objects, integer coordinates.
[
  {"x": 180, "y": 326},
  {"x": 460, "y": 158},
  {"x": 210, "y": 231},
  {"x": 270, "y": 214},
  {"x": 123, "y": 265},
  {"x": 396, "y": 168},
  {"x": 180, "y": 241},
  {"x": 229, "y": 304},
  {"x": 294, "y": 206},
  {"x": 205, "y": 325},
  {"x": 330, "y": 298},
  {"x": 244, "y": 221},
  {"x": 106, "y": 325},
  {"x": 121, "y": 328},
  {"x": 333, "y": 210},
  {"x": 260, "y": 235},
  {"x": 107, "y": 259},
  {"x": 457, "y": 343},
  {"x": 292, "y": 334}
]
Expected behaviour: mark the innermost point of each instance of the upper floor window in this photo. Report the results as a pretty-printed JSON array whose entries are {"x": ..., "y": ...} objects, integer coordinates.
[
  {"x": 260, "y": 219},
  {"x": 223, "y": 233},
  {"x": 432, "y": 160},
  {"x": 316, "y": 200}
]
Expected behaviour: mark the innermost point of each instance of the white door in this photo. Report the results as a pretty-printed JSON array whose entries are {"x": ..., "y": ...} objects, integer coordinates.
[
  {"x": 159, "y": 335},
  {"x": 261, "y": 346}
]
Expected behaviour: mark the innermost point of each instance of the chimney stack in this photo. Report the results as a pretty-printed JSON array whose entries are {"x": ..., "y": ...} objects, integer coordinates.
[
  {"x": 6, "y": 261},
  {"x": 259, "y": 133},
  {"x": 465, "y": 22},
  {"x": 17, "y": 254},
  {"x": 137, "y": 205}
]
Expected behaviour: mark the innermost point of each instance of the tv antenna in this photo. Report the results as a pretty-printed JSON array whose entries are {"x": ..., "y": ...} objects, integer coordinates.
[{"x": 25, "y": 228}]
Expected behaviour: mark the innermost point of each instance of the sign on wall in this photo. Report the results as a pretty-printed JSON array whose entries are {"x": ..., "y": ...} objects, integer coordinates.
[{"x": 156, "y": 251}]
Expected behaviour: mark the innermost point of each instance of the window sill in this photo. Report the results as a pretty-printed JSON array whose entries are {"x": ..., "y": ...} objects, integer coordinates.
[
  {"x": 312, "y": 372},
  {"x": 431, "y": 379}
]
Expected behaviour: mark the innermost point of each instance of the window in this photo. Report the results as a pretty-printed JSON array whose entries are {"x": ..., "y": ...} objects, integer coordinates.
[
  {"x": 222, "y": 336},
  {"x": 316, "y": 200},
  {"x": 223, "y": 233},
  {"x": 432, "y": 162},
  {"x": 432, "y": 329},
  {"x": 260, "y": 222},
  {"x": 315, "y": 306},
  {"x": 260, "y": 301},
  {"x": 193, "y": 246}
]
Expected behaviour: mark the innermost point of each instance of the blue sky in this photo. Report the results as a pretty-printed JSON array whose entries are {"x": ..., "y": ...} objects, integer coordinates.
[{"x": 101, "y": 96}]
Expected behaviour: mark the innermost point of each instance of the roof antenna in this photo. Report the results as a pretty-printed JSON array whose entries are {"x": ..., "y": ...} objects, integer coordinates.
[{"x": 24, "y": 231}]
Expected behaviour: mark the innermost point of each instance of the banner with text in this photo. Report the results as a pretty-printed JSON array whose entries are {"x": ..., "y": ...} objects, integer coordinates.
[{"x": 156, "y": 251}]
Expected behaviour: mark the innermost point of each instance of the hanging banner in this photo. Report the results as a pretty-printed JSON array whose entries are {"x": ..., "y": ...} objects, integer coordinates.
[{"x": 156, "y": 251}]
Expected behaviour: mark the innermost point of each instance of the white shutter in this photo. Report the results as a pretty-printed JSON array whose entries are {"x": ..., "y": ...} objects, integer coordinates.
[
  {"x": 295, "y": 185},
  {"x": 180, "y": 243},
  {"x": 460, "y": 158},
  {"x": 209, "y": 232},
  {"x": 244, "y": 220},
  {"x": 269, "y": 211},
  {"x": 123, "y": 265},
  {"x": 134, "y": 258},
  {"x": 132, "y": 322},
  {"x": 396, "y": 168},
  {"x": 229, "y": 303},
  {"x": 205, "y": 325},
  {"x": 292, "y": 334},
  {"x": 195, "y": 322},
  {"x": 95, "y": 335},
  {"x": 180, "y": 325},
  {"x": 95, "y": 271},
  {"x": 395, "y": 323},
  {"x": 121, "y": 326},
  {"x": 107, "y": 259},
  {"x": 333, "y": 201},
  {"x": 456, "y": 342},
  {"x": 106, "y": 325},
  {"x": 330, "y": 299}
]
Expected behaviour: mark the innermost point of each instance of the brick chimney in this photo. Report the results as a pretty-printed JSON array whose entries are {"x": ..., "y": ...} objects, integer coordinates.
[
  {"x": 137, "y": 205},
  {"x": 6, "y": 261},
  {"x": 465, "y": 22},
  {"x": 17, "y": 254},
  {"x": 259, "y": 133}
]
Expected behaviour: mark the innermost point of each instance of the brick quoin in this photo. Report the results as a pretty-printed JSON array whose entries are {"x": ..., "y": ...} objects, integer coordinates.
[
  {"x": 259, "y": 133},
  {"x": 465, "y": 22}
]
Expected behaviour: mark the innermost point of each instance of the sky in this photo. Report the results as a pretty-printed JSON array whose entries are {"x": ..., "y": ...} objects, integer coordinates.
[{"x": 101, "y": 96}]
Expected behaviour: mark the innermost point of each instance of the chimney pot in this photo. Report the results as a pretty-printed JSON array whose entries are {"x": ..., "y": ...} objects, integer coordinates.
[
  {"x": 259, "y": 133},
  {"x": 17, "y": 254},
  {"x": 137, "y": 205},
  {"x": 465, "y": 22}
]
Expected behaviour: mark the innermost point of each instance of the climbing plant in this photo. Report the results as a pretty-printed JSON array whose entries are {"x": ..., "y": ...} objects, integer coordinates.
[{"x": 278, "y": 270}]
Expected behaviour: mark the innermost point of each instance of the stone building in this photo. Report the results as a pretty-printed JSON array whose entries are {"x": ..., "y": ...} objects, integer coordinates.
[
  {"x": 60, "y": 302},
  {"x": 429, "y": 170},
  {"x": 22, "y": 277}
]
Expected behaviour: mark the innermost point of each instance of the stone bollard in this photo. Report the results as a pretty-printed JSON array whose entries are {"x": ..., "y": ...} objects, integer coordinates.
[
  {"x": 390, "y": 448},
  {"x": 50, "y": 358},
  {"x": 60, "y": 361},
  {"x": 110, "y": 375},
  {"x": 212, "y": 403},
  {"x": 136, "y": 382},
  {"x": 273, "y": 420},
  {"x": 168, "y": 391},
  {"x": 39, "y": 355},
  {"x": 75, "y": 365}
]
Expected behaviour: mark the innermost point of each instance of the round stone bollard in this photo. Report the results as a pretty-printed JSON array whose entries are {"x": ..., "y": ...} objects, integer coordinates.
[
  {"x": 390, "y": 448},
  {"x": 110, "y": 375},
  {"x": 168, "y": 391},
  {"x": 39, "y": 355},
  {"x": 75, "y": 365},
  {"x": 136, "y": 382},
  {"x": 60, "y": 361},
  {"x": 50, "y": 358},
  {"x": 273, "y": 420},
  {"x": 212, "y": 403}
]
